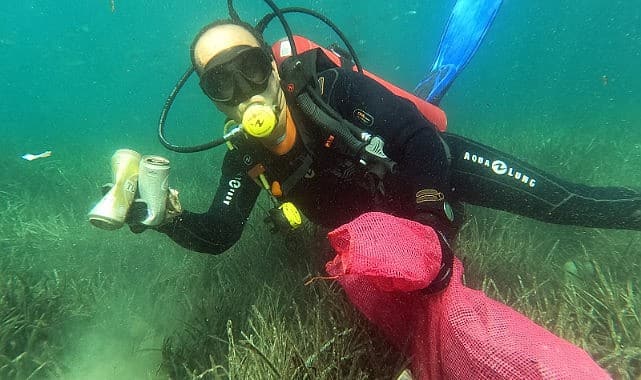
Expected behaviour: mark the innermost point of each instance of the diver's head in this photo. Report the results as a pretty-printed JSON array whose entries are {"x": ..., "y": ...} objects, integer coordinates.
[{"x": 237, "y": 71}]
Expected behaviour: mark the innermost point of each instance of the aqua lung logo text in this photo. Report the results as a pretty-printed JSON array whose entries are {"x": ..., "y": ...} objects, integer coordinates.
[
  {"x": 499, "y": 167},
  {"x": 234, "y": 185}
]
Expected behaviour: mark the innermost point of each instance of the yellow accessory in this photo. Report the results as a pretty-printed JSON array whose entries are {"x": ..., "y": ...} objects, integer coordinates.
[
  {"x": 259, "y": 120},
  {"x": 290, "y": 212},
  {"x": 284, "y": 217},
  {"x": 264, "y": 182}
]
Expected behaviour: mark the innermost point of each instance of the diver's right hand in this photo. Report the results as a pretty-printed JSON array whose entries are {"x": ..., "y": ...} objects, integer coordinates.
[
  {"x": 138, "y": 214},
  {"x": 135, "y": 215}
]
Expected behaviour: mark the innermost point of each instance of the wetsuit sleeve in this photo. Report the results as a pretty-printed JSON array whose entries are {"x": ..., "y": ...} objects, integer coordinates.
[
  {"x": 216, "y": 230},
  {"x": 410, "y": 139}
]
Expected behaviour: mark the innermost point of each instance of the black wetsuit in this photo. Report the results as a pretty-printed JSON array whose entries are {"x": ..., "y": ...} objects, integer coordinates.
[{"x": 432, "y": 166}]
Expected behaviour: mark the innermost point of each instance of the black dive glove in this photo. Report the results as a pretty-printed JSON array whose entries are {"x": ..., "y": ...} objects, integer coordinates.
[
  {"x": 136, "y": 214},
  {"x": 445, "y": 272},
  {"x": 139, "y": 211},
  {"x": 441, "y": 216}
]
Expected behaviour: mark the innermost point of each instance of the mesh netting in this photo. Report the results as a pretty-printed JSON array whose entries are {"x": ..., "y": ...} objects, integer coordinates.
[{"x": 383, "y": 262}]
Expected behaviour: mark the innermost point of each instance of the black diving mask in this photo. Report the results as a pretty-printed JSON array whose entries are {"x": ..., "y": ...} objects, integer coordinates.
[{"x": 236, "y": 74}]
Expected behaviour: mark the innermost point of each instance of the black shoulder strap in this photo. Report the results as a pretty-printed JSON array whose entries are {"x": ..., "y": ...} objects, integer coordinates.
[
  {"x": 291, "y": 181},
  {"x": 300, "y": 72},
  {"x": 299, "y": 80}
]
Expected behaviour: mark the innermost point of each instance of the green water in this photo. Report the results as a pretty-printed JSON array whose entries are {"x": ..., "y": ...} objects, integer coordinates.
[{"x": 551, "y": 81}]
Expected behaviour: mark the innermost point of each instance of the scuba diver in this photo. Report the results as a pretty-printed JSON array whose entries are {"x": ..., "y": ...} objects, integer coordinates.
[
  {"x": 434, "y": 170},
  {"x": 322, "y": 137}
]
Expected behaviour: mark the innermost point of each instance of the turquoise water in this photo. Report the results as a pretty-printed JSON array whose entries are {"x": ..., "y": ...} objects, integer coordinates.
[
  {"x": 82, "y": 80},
  {"x": 70, "y": 66}
]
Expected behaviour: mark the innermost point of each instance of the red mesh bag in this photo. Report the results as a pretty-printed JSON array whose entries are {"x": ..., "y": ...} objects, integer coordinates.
[{"x": 383, "y": 262}]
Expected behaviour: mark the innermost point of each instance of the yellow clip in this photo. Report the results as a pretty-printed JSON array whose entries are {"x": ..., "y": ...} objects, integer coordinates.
[
  {"x": 263, "y": 181},
  {"x": 292, "y": 215}
]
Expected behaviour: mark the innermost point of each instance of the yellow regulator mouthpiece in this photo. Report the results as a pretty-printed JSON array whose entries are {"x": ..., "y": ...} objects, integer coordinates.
[{"x": 259, "y": 120}]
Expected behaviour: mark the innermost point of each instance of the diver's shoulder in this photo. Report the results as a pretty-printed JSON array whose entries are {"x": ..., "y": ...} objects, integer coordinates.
[
  {"x": 336, "y": 78},
  {"x": 339, "y": 72}
]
